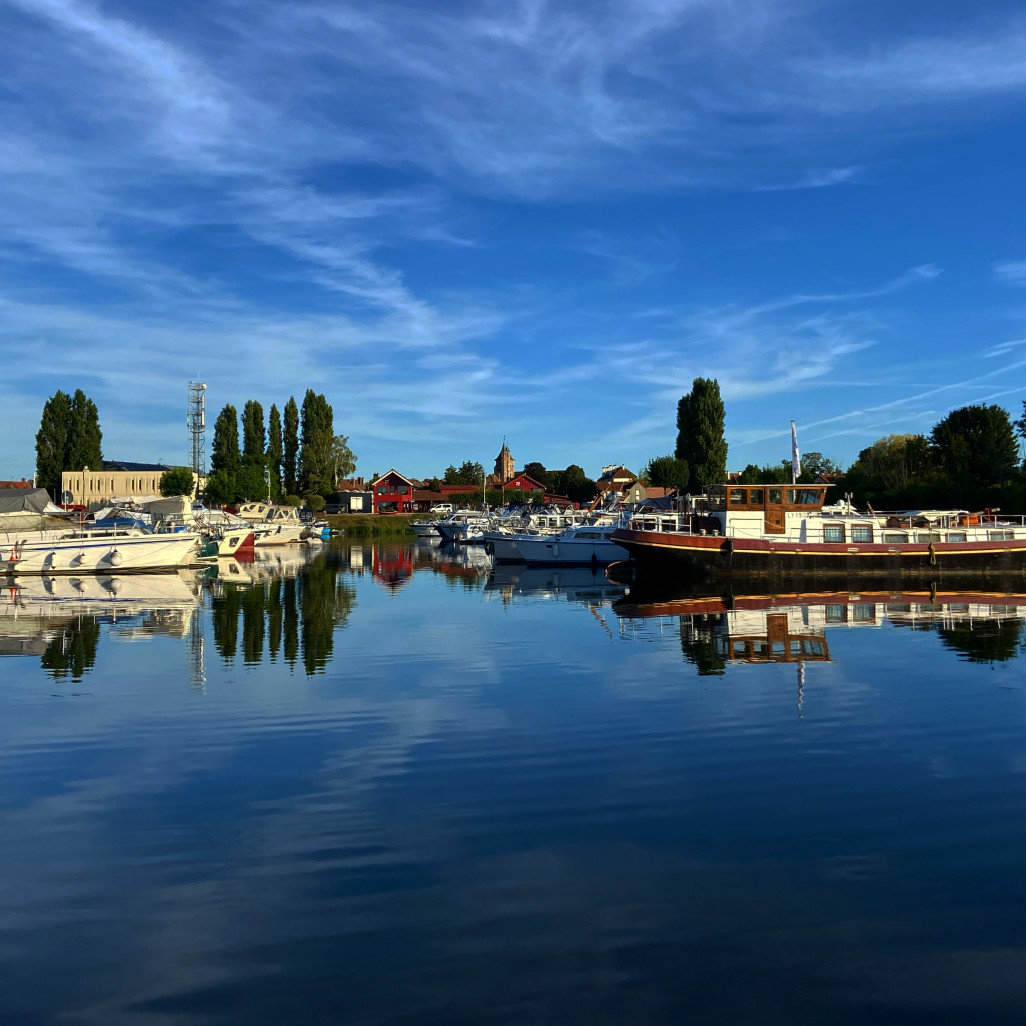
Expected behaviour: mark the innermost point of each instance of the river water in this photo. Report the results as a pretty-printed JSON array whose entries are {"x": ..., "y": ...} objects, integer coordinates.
[{"x": 390, "y": 785}]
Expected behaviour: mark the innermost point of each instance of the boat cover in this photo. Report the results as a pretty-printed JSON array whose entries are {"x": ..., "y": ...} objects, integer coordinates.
[{"x": 29, "y": 509}]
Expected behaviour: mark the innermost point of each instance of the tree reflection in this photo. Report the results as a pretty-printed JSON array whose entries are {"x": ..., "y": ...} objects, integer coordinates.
[
  {"x": 987, "y": 641},
  {"x": 296, "y": 616},
  {"x": 698, "y": 643},
  {"x": 73, "y": 651}
]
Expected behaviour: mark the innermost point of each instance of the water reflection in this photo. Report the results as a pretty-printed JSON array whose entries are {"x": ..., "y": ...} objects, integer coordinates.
[
  {"x": 290, "y": 608},
  {"x": 59, "y": 618},
  {"x": 717, "y": 630}
]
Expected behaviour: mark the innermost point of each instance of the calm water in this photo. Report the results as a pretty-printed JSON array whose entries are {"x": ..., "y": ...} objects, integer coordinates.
[{"x": 390, "y": 787}]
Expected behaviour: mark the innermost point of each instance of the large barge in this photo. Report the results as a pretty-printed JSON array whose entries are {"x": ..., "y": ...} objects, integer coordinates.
[{"x": 781, "y": 531}]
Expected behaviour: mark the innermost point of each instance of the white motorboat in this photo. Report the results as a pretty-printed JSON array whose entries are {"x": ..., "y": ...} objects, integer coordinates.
[
  {"x": 276, "y": 525},
  {"x": 454, "y": 527},
  {"x": 425, "y": 528},
  {"x": 578, "y": 544},
  {"x": 114, "y": 550}
]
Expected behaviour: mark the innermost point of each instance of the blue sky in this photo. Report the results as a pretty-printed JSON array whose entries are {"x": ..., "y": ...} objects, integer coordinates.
[{"x": 540, "y": 220}]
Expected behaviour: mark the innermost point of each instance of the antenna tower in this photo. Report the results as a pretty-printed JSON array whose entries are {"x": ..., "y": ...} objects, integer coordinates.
[{"x": 197, "y": 421}]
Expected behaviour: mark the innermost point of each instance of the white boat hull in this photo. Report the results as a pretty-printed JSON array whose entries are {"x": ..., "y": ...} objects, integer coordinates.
[
  {"x": 53, "y": 553},
  {"x": 280, "y": 534},
  {"x": 577, "y": 551}
]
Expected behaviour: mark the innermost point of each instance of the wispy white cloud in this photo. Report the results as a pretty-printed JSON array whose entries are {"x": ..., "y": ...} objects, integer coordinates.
[
  {"x": 816, "y": 179},
  {"x": 267, "y": 190},
  {"x": 1012, "y": 272}
]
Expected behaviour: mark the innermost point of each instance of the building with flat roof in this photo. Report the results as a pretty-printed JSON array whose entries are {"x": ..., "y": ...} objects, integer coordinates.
[{"x": 116, "y": 480}]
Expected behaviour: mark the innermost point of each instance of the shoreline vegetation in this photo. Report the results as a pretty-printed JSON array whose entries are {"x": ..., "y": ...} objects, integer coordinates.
[{"x": 374, "y": 525}]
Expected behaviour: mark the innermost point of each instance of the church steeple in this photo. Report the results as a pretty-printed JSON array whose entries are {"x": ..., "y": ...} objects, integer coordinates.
[{"x": 504, "y": 468}]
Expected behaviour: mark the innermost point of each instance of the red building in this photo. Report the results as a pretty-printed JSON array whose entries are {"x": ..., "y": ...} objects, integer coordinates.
[
  {"x": 16, "y": 484},
  {"x": 523, "y": 483},
  {"x": 392, "y": 493}
]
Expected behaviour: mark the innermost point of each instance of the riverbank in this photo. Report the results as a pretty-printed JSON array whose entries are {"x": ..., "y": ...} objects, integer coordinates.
[{"x": 375, "y": 525}]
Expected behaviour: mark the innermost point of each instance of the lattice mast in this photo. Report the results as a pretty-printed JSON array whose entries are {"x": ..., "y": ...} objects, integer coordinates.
[{"x": 197, "y": 421}]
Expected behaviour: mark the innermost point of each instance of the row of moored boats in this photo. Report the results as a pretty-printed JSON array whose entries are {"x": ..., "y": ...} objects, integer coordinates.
[
  {"x": 37, "y": 537},
  {"x": 518, "y": 534}
]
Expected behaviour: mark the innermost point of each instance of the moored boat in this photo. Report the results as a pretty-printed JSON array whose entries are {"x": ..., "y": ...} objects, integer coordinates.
[
  {"x": 779, "y": 531},
  {"x": 115, "y": 550},
  {"x": 578, "y": 544},
  {"x": 276, "y": 525}
]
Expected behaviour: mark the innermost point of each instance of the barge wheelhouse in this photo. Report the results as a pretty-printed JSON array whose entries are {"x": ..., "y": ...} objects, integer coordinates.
[{"x": 784, "y": 530}]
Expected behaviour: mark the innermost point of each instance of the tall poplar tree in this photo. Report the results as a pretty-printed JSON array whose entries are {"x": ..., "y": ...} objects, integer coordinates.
[
  {"x": 275, "y": 453},
  {"x": 700, "y": 441},
  {"x": 224, "y": 454},
  {"x": 85, "y": 440},
  {"x": 253, "y": 434},
  {"x": 316, "y": 460},
  {"x": 290, "y": 447},
  {"x": 52, "y": 440}
]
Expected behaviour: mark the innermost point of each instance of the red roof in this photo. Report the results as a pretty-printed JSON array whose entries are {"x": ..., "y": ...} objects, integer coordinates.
[{"x": 17, "y": 484}]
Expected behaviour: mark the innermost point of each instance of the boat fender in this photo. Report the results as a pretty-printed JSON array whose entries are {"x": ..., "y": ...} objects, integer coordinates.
[
  {"x": 728, "y": 548},
  {"x": 933, "y": 555},
  {"x": 114, "y": 557}
]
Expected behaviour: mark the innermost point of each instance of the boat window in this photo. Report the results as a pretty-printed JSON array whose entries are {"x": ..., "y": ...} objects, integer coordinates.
[
  {"x": 927, "y": 537},
  {"x": 835, "y": 613},
  {"x": 833, "y": 532},
  {"x": 804, "y": 496},
  {"x": 737, "y": 496},
  {"x": 895, "y": 537},
  {"x": 755, "y": 497},
  {"x": 775, "y": 495},
  {"x": 956, "y": 536},
  {"x": 861, "y": 532},
  {"x": 861, "y": 612},
  {"x": 814, "y": 648},
  {"x": 1000, "y": 535}
]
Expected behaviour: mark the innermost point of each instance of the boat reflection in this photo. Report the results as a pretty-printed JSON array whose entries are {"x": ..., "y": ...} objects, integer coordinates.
[
  {"x": 747, "y": 627},
  {"x": 582, "y": 584},
  {"x": 59, "y": 618},
  {"x": 283, "y": 604}
]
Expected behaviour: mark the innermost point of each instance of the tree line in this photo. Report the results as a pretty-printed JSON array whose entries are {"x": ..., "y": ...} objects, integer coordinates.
[
  {"x": 970, "y": 458},
  {"x": 294, "y": 457}
]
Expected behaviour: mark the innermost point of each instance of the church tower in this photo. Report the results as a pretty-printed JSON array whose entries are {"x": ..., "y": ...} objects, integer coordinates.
[{"x": 504, "y": 469}]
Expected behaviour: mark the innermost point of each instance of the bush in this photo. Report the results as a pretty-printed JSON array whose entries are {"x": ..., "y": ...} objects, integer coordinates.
[
  {"x": 314, "y": 502},
  {"x": 293, "y": 500}
]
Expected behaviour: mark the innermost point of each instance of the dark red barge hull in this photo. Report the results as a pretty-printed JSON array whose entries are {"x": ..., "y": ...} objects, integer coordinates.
[{"x": 664, "y": 554}]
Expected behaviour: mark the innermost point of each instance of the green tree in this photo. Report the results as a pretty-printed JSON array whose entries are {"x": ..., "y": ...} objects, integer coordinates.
[
  {"x": 769, "y": 474},
  {"x": 275, "y": 452},
  {"x": 84, "y": 446},
  {"x": 253, "y": 435},
  {"x": 816, "y": 463},
  {"x": 468, "y": 472},
  {"x": 537, "y": 472},
  {"x": 177, "y": 481},
  {"x": 574, "y": 484},
  {"x": 290, "y": 447},
  {"x": 700, "y": 441},
  {"x": 51, "y": 441},
  {"x": 224, "y": 453},
  {"x": 250, "y": 480},
  {"x": 976, "y": 446},
  {"x": 219, "y": 488},
  {"x": 667, "y": 472},
  {"x": 343, "y": 460},
  {"x": 318, "y": 436}
]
